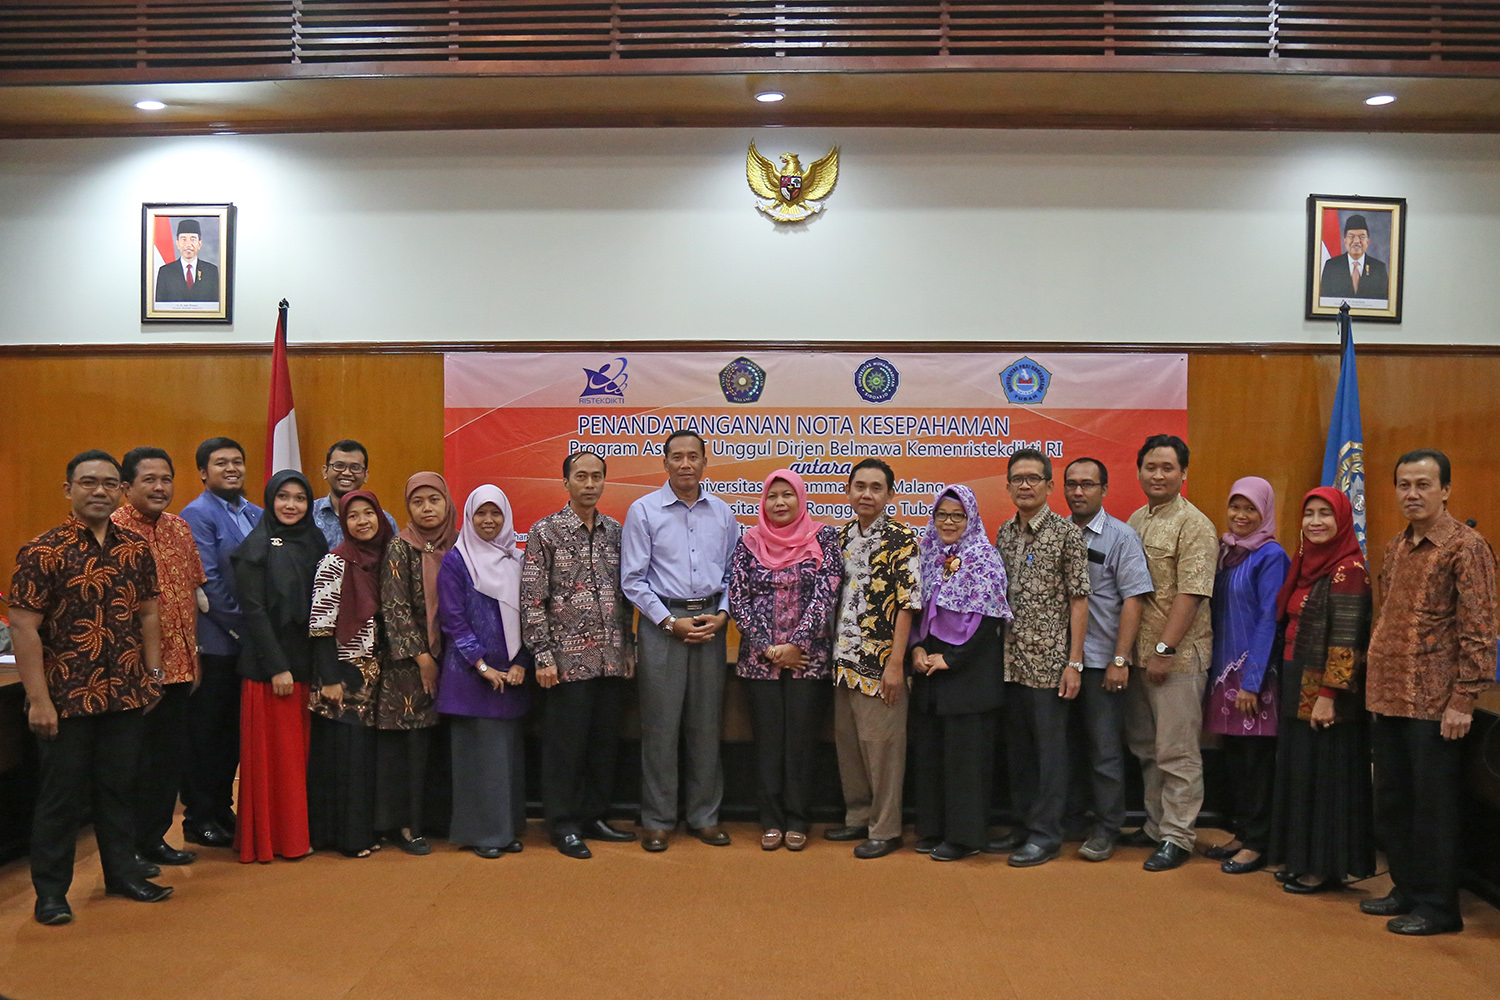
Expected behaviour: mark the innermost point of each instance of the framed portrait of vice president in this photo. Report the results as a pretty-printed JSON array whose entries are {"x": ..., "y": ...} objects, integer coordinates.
[
  {"x": 187, "y": 263},
  {"x": 1356, "y": 253}
]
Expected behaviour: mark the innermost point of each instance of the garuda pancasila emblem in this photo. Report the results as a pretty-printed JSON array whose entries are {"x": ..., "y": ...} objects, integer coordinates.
[{"x": 790, "y": 194}]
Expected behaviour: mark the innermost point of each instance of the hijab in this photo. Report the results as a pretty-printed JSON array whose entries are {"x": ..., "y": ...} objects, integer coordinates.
[
  {"x": 977, "y": 584},
  {"x": 432, "y": 543},
  {"x": 289, "y": 554},
  {"x": 1234, "y": 550},
  {"x": 494, "y": 566},
  {"x": 1315, "y": 561},
  {"x": 359, "y": 598},
  {"x": 776, "y": 548}
]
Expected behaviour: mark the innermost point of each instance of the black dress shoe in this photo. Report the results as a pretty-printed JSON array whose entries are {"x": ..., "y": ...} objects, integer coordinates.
[
  {"x": 53, "y": 910},
  {"x": 1031, "y": 855},
  {"x": 1246, "y": 867},
  {"x": 1311, "y": 888},
  {"x": 411, "y": 845},
  {"x": 514, "y": 847},
  {"x": 488, "y": 853},
  {"x": 1012, "y": 841},
  {"x": 572, "y": 846},
  {"x": 137, "y": 888},
  {"x": 949, "y": 851},
  {"x": 840, "y": 833},
  {"x": 877, "y": 848},
  {"x": 1418, "y": 925},
  {"x": 1166, "y": 857},
  {"x": 207, "y": 834},
  {"x": 927, "y": 845},
  {"x": 1138, "y": 838},
  {"x": 164, "y": 853},
  {"x": 1386, "y": 906},
  {"x": 1288, "y": 876},
  {"x": 144, "y": 868},
  {"x": 600, "y": 830}
]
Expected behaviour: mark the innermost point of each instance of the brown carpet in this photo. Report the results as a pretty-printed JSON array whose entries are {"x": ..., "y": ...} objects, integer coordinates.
[{"x": 700, "y": 921}]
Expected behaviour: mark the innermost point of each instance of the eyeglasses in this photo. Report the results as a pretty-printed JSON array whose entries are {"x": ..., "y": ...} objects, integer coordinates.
[
  {"x": 1031, "y": 480},
  {"x": 88, "y": 485},
  {"x": 353, "y": 467},
  {"x": 949, "y": 517},
  {"x": 1080, "y": 484}
]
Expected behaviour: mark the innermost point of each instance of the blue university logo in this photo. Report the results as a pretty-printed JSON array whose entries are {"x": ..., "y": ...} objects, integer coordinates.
[
  {"x": 742, "y": 381},
  {"x": 876, "y": 380},
  {"x": 1025, "y": 382},
  {"x": 608, "y": 381}
]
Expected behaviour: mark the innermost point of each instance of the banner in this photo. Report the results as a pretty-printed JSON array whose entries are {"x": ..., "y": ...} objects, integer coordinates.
[{"x": 511, "y": 419}]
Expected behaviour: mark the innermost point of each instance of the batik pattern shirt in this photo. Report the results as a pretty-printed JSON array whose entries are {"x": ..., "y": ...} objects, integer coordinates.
[
  {"x": 89, "y": 596},
  {"x": 179, "y": 574},
  {"x": 358, "y": 666},
  {"x": 1045, "y": 568},
  {"x": 881, "y": 579},
  {"x": 401, "y": 702},
  {"x": 1182, "y": 553},
  {"x": 792, "y": 605},
  {"x": 574, "y": 617}
]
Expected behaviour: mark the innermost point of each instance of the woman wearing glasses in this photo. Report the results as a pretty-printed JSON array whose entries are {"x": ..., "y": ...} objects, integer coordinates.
[{"x": 956, "y": 653}]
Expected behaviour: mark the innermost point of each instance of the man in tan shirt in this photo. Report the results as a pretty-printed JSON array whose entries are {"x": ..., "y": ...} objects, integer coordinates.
[{"x": 1164, "y": 700}]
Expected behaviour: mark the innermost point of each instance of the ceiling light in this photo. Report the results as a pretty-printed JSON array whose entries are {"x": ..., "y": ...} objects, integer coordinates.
[
  {"x": 150, "y": 105},
  {"x": 1380, "y": 99},
  {"x": 770, "y": 96}
]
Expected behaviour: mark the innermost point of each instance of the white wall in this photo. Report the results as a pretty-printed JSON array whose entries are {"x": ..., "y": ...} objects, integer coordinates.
[{"x": 953, "y": 235}]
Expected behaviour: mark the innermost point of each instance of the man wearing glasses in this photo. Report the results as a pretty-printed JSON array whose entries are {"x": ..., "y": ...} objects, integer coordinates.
[
  {"x": 1118, "y": 581},
  {"x": 1046, "y": 567},
  {"x": 346, "y": 468},
  {"x": 88, "y": 647}
]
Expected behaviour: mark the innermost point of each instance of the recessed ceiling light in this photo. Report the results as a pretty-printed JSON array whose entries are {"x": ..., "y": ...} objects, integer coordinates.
[
  {"x": 150, "y": 105},
  {"x": 770, "y": 96},
  {"x": 1380, "y": 99}
]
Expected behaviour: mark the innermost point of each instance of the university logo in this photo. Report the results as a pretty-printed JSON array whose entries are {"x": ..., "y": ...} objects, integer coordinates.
[
  {"x": 607, "y": 385},
  {"x": 876, "y": 380},
  {"x": 742, "y": 381},
  {"x": 1349, "y": 480},
  {"x": 1025, "y": 382}
]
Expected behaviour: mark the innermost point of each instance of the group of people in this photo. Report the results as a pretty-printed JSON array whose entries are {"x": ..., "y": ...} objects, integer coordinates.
[{"x": 312, "y": 648}]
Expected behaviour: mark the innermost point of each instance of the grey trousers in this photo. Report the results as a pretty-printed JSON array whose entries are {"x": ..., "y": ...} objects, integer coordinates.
[
  {"x": 1162, "y": 726},
  {"x": 681, "y": 689},
  {"x": 1038, "y": 750},
  {"x": 1100, "y": 781},
  {"x": 870, "y": 737}
]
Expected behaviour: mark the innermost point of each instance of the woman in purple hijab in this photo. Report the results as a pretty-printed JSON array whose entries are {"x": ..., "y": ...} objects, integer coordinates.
[
  {"x": 956, "y": 654},
  {"x": 1241, "y": 695}
]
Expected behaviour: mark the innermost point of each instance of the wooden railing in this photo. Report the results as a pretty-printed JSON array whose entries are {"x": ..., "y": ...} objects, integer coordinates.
[{"x": 131, "y": 40}]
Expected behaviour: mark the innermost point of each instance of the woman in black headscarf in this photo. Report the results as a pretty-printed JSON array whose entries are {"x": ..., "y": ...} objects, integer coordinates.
[{"x": 273, "y": 572}]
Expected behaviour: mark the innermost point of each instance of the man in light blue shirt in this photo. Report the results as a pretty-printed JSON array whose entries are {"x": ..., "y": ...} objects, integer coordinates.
[
  {"x": 1119, "y": 578},
  {"x": 674, "y": 567},
  {"x": 345, "y": 468}
]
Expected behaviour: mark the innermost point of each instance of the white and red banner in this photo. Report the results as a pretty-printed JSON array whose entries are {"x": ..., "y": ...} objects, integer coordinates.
[{"x": 939, "y": 418}]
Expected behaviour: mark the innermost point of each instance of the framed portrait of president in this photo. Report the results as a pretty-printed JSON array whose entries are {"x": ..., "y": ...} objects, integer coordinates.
[
  {"x": 187, "y": 263},
  {"x": 1356, "y": 253}
]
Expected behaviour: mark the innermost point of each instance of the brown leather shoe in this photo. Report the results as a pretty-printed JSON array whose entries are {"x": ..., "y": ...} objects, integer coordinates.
[
  {"x": 770, "y": 840},
  {"x": 795, "y": 840},
  {"x": 713, "y": 836},
  {"x": 654, "y": 841}
]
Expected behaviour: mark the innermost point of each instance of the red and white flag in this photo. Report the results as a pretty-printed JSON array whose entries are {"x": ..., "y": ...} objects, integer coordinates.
[{"x": 282, "y": 449}]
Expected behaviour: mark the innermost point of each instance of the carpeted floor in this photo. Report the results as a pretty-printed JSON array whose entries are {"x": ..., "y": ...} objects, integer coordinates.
[{"x": 700, "y": 921}]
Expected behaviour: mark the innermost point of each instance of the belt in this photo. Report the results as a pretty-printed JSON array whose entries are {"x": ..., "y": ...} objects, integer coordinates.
[{"x": 696, "y": 604}]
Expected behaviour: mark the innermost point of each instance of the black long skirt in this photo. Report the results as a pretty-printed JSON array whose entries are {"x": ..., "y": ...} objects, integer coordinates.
[
  {"x": 1323, "y": 820},
  {"x": 341, "y": 785}
]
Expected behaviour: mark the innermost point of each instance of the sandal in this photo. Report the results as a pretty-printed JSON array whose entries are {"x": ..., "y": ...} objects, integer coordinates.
[
  {"x": 770, "y": 840},
  {"x": 361, "y": 853}
]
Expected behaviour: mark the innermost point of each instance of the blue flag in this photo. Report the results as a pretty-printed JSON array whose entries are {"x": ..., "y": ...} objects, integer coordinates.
[{"x": 1344, "y": 456}]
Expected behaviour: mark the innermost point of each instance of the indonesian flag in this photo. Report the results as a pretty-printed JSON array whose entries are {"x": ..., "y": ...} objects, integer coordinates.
[
  {"x": 282, "y": 449},
  {"x": 163, "y": 246},
  {"x": 1333, "y": 237}
]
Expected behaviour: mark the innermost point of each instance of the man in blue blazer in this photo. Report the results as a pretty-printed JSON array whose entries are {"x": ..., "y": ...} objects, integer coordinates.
[{"x": 220, "y": 517}]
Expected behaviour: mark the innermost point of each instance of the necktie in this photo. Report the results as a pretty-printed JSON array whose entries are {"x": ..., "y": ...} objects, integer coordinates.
[
  {"x": 190, "y": 276},
  {"x": 1355, "y": 277}
]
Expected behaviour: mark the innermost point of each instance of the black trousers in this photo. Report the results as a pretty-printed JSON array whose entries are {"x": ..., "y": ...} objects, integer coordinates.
[
  {"x": 1417, "y": 793},
  {"x": 213, "y": 730},
  {"x": 1096, "y": 757},
  {"x": 580, "y": 738},
  {"x": 91, "y": 762},
  {"x": 401, "y": 779},
  {"x": 1252, "y": 768},
  {"x": 1037, "y": 750},
  {"x": 786, "y": 715},
  {"x": 159, "y": 773},
  {"x": 954, "y": 769}
]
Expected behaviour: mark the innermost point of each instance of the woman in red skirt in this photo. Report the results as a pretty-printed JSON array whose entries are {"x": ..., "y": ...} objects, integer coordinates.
[{"x": 273, "y": 569}]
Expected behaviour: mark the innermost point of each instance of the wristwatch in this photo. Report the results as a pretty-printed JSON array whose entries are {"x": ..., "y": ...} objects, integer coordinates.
[
  {"x": 666, "y": 626},
  {"x": 482, "y": 667},
  {"x": 1077, "y": 666},
  {"x": 1120, "y": 661},
  {"x": 1162, "y": 649}
]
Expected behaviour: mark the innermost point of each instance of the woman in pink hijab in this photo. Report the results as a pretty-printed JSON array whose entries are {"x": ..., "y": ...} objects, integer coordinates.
[{"x": 784, "y": 581}]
